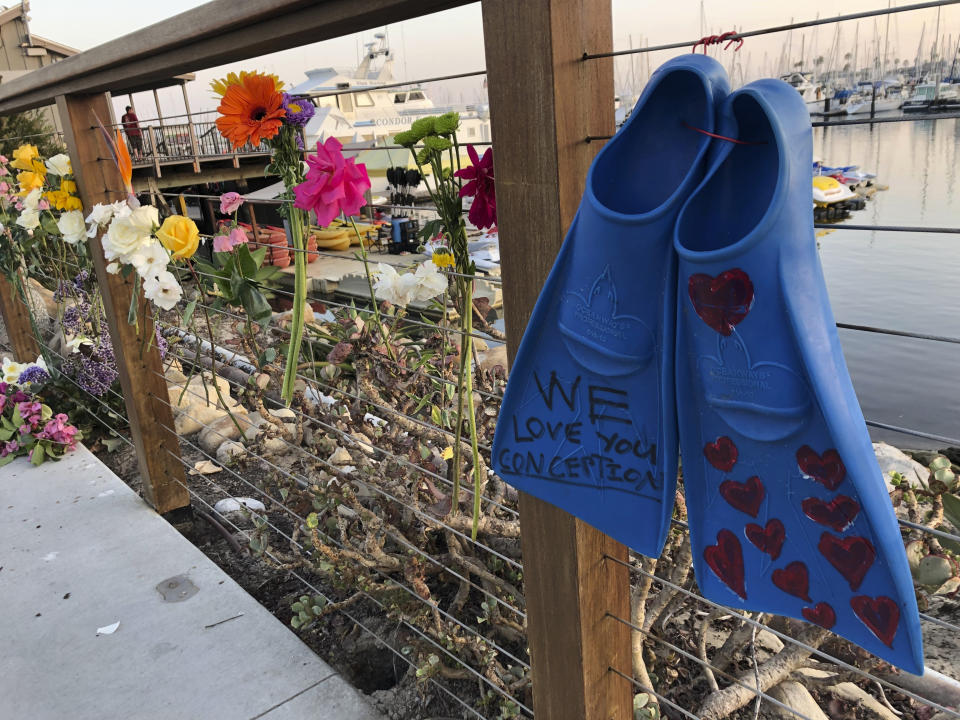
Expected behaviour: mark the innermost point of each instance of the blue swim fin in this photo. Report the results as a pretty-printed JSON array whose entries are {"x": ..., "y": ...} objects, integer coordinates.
[
  {"x": 788, "y": 510},
  {"x": 588, "y": 420}
]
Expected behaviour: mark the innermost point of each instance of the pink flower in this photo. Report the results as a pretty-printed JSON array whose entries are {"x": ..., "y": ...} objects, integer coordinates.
[
  {"x": 230, "y": 202},
  {"x": 3, "y": 169},
  {"x": 43, "y": 205},
  {"x": 4, "y": 187},
  {"x": 483, "y": 212},
  {"x": 333, "y": 184},
  {"x": 9, "y": 447},
  {"x": 226, "y": 243}
]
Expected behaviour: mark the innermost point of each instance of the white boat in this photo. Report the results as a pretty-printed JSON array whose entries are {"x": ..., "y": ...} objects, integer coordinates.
[
  {"x": 369, "y": 115},
  {"x": 889, "y": 97},
  {"x": 813, "y": 94}
]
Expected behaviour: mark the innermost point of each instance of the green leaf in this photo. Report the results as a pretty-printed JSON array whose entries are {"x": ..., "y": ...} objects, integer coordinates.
[
  {"x": 38, "y": 455},
  {"x": 934, "y": 571},
  {"x": 255, "y": 303},
  {"x": 436, "y": 415},
  {"x": 247, "y": 265},
  {"x": 188, "y": 311},
  {"x": 49, "y": 225},
  {"x": 112, "y": 444},
  {"x": 134, "y": 296},
  {"x": 258, "y": 255}
]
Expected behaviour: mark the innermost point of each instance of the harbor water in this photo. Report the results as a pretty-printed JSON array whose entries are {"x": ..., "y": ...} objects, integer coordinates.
[{"x": 906, "y": 281}]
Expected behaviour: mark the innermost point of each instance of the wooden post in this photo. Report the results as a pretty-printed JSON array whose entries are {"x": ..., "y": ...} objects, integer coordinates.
[
  {"x": 16, "y": 318},
  {"x": 138, "y": 360},
  {"x": 544, "y": 101}
]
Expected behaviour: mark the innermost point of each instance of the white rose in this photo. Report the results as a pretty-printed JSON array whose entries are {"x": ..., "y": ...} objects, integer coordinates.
[
  {"x": 29, "y": 219},
  {"x": 151, "y": 259},
  {"x": 59, "y": 165},
  {"x": 100, "y": 215},
  {"x": 128, "y": 233},
  {"x": 32, "y": 199},
  {"x": 72, "y": 227},
  {"x": 163, "y": 290}
]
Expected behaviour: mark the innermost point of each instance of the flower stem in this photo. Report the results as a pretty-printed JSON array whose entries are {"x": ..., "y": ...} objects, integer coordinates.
[
  {"x": 299, "y": 302},
  {"x": 373, "y": 295},
  {"x": 467, "y": 343}
]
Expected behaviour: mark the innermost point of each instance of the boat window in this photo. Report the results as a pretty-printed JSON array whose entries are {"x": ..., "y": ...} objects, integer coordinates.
[
  {"x": 400, "y": 97},
  {"x": 345, "y": 102},
  {"x": 364, "y": 99},
  {"x": 471, "y": 131},
  {"x": 415, "y": 95}
]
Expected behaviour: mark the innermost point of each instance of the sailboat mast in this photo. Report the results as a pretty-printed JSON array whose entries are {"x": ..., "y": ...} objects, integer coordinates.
[{"x": 886, "y": 45}]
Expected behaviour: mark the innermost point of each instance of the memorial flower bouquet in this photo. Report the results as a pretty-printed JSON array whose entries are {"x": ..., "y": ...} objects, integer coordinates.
[
  {"x": 433, "y": 143},
  {"x": 253, "y": 109},
  {"x": 29, "y": 427}
]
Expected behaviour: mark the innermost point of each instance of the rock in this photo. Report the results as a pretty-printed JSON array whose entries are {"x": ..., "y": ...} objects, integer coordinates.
[
  {"x": 340, "y": 457},
  {"x": 892, "y": 460},
  {"x": 284, "y": 414},
  {"x": 794, "y": 695},
  {"x": 212, "y": 436},
  {"x": 203, "y": 386},
  {"x": 364, "y": 443},
  {"x": 174, "y": 374},
  {"x": 194, "y": 417},
  {"x": 276, "y": 446},
  {"x": 230, "y": 451},
  {"x": 493, "y": 357},
  {"x": 768, "y": 641},
  {"x": 852, "y": 693},
  {"x": 233, "y": 505}
]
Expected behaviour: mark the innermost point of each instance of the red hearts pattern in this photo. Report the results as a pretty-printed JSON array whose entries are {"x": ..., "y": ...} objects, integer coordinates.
[
  {"x": 769, "y": 539},
  {"x": 838, "y": 514},
  {"x": 746, "y": 497},
  {"x": 881, "y": 615},
  {"x": 851, "y": 557},
  {"x": 828, "y": 469},
  {"x": 722, "y": 453},
  {"x": 793, "y": 580},
  {"x": 726, "y": 560},
  {"x": 722, "y": 301},
  {"x": 821, "y": 614}
]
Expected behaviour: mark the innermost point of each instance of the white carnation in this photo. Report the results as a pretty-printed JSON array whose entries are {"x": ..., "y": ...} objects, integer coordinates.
[
  {"x": 151, "y": 259},
  {"x": 31, "y": 200},
  {"x": 29, "y": 219},
  {"x": 163, "y": 290},
  {"x": 430, "y": 281}
]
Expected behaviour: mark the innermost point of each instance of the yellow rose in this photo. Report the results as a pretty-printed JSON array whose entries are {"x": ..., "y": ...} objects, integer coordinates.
[
  {"x": 23, "y": 157},
  {"x": 180, "y": 236}
]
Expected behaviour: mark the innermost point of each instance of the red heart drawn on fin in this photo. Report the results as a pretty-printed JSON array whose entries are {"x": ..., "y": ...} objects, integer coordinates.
[
  {"x": 838, "y": 514},
  {"x": 769, "y": 539},
  {"x": 826, "y": 469},
  {"x": 821, "y": 614},
  {"x": 851, "y": 556},
  {"x": 722, "y": 301},
  {"x": 793, "y": 580},
  {"x": 746, "y": 496},
  {"x": 881, "y": 615},
  {"x": 721, "y": 453},
  {"x": 726, "y": 560}
]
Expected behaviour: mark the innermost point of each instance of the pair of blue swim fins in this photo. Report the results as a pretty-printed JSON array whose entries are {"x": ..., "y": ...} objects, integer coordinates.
[{"x": 688, "y": 302}]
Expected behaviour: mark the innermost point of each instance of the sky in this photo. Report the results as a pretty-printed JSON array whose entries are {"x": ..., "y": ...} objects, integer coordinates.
[{"x": 457, "y": 36}]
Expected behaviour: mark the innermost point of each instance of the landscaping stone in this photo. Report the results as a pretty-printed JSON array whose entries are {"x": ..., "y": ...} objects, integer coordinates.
[
  {"x": 276, "y": 447},
  {"x": 194, "y": 417},
  {"x": 283, "y": 414},
  {"x": 855, "y": 694},
  {"x": 794, "y": 695},
  {"x": 493, "y": 357},
  {"x": 212, "y": 436},
  {"x": 230, "y": 451},
  {"x": 892, "y": 460},
  {"x": 235, "y": 505}
]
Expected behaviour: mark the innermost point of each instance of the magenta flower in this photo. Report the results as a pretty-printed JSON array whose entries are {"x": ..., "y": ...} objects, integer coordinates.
[
  {"x": 226, "y": 243},
  {"x": 333, "y": 184},
  {"x": 483, "y": 212},
  {"x": 9, "y": 447},
  {"x": 230, "y": 202}
]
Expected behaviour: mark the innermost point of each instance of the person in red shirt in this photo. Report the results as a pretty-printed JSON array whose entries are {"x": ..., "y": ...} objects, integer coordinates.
[{"x": 131, "y": 126}]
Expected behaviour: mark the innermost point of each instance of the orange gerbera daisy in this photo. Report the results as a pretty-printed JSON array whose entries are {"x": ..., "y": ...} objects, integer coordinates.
[{"x": 251, "y": 111}]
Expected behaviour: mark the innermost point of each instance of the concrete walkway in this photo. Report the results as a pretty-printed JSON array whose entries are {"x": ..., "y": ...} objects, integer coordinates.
[{"x": 80, "y": 551}]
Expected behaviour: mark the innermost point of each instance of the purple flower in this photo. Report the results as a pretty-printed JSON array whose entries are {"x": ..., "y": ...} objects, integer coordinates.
[
  {"x": 299, "y": 110},
  {"x": 9, "y": 447},
  {"x": 33, "y": 374}
]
